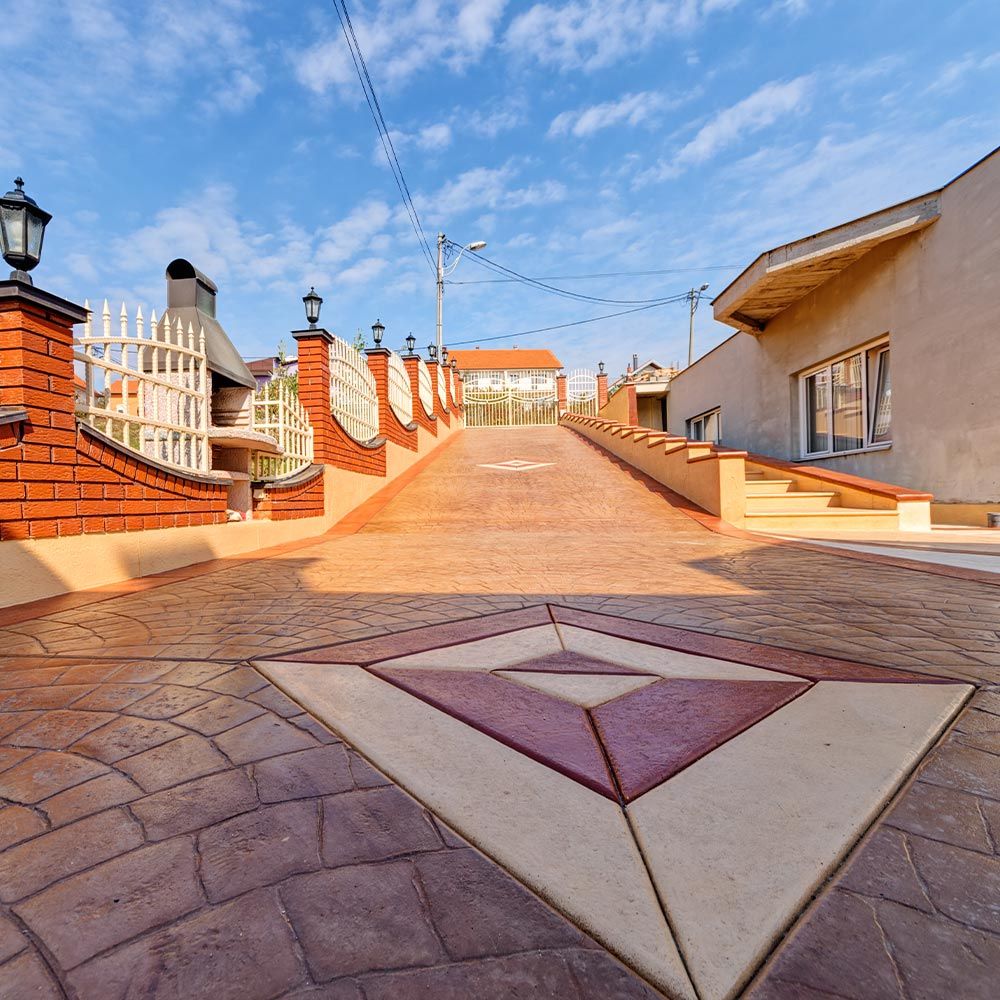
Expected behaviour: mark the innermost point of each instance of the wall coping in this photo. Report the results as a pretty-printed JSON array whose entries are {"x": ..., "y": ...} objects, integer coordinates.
[
  {"x": 63, "y": 308},
  {"x": 306, "y": 475},
  {"x": 319, "y": 332},
  {"x": 217, "y": 478}
]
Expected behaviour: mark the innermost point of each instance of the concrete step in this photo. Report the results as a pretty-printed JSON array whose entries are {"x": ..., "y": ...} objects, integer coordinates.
[
  {"x": 831, "y": 519},
  {"x": 796, "y": 501},
  {"x": 761, "y": 485}
]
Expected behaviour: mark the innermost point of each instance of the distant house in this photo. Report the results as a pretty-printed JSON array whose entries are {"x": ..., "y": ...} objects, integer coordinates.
[
  {"x": 869, "y": 349},
  {"x": 264, "y": 369},
  {"x": 652, "y": 383},
  {"x": 530, "y": 370}
]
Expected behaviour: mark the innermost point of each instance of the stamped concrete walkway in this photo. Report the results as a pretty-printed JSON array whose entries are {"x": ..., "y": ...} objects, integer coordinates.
[{"x": 173, "y": 825}]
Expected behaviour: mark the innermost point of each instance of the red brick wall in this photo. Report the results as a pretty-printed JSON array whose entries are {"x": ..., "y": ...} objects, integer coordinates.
[
  {"x": 285, "y": 503},
  {"x": 420, "y": 417},
  {"x": 389, "y": 425},
  {"x": 60, "y": 481},
  {"x": 561, "y": 394}
]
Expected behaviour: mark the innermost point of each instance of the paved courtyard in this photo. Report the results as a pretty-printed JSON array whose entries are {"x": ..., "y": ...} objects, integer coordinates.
[{"x": 522, "y": 729}]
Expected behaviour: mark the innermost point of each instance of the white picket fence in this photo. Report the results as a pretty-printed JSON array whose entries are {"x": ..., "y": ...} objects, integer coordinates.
[
  {"x": 353, "y": 395},
  {"x": 441, "y": 387},
  {"x": 426, "y": 388},
  {"x": 400, "y": 393},
  {"x": 276, "y": 411},
  {"x": 146, "y": 388}
]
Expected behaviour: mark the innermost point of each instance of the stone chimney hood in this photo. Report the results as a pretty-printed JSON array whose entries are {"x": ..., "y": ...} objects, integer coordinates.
[{"x": 191, "y": 297}]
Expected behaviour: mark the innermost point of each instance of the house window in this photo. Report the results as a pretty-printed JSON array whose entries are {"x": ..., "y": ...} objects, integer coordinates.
[
  {"x": 706, "y": 427},
  {"x": 846, "y": 404}
]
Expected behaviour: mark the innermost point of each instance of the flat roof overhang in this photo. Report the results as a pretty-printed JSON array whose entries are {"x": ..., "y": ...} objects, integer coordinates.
[{"x": 782, "y": 276}]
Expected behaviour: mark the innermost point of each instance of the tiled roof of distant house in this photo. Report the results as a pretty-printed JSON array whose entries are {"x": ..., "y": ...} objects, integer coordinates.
[{"x": 504, "y": 360}]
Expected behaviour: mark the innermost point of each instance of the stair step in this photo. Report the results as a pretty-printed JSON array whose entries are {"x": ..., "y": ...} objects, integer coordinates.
[
  {"x": 831, "y": 518},
  {"x": 795, "y": 501},
  {"x": 761, "y": 485}
]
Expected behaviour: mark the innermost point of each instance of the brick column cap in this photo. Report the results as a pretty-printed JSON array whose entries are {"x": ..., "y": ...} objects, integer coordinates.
[
  {"x": 377, "y": 352},
  {"x": 58, "y": 308},
  {"x": 318, "y": 332}
]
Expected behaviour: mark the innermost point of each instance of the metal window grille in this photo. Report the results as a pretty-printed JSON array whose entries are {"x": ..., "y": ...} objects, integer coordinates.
[
  {"x": 277, "y": 411},
  {"x": 148, "y": 389},
  {"x": 400, "y": 393},
  {"x": 353, "y": 395}
]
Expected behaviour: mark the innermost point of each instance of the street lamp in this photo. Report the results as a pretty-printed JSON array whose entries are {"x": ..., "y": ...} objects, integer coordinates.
[
  {"x": 410, "y": 343},
  {"x": 377, "y": 330},
  {"x": 312, "y": 303},
  {"x": 600, "y": 367},
  {"x": 443, "y": 241},
  {"x": 432, "y": 352},
  {"x": 454, "y": 365},
  {"x": 22, "y": 229},
  {"x": 693, "y": 297},
  {"x": 444, "y": 355}
]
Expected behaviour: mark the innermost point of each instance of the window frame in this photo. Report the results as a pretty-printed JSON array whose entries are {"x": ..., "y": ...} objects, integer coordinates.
[
  {"x": 689, "y": 423},
  {"x": 871, "y": 354}
]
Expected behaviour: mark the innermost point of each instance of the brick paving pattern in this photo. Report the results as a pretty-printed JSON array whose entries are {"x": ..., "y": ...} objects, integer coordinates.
[{"x": 172, "y": 825}]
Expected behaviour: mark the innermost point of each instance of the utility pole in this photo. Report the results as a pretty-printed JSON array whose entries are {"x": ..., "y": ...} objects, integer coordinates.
[
  {"x": 693, "y": 297},
  {"x": 440, "y": 291}
]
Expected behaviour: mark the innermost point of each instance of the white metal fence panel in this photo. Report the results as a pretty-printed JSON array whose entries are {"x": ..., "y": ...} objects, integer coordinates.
[
  {"x": 426, "y": 387},
  {"x": 400, "y": 393},
  {"x": 277, "y": 411},
  {"x": 510, "y": 399},
  {"x": 146, "y": 389},
  {"x": 353, "y": 395},
  {"x": 441, "y": 388},
  {"x": 581, "y": 392},
  {"x": 451, "y": 385}
]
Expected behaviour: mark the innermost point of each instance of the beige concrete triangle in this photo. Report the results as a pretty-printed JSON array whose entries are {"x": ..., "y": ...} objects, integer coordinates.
[
  {"x": 484, "y": 654},
  {"x": 570, "y": 845},
  {"x": 739, "y": 841},
  {"x": 587, "y": 690}
]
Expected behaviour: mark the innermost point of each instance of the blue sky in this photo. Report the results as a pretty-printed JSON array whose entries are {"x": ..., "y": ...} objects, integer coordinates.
[{"x": 579, "y": 137}]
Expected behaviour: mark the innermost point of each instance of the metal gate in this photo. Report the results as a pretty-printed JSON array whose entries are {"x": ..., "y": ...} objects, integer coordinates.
[
  {"x": 581, "y": 392},
  {"x": 510, "y": 399}
]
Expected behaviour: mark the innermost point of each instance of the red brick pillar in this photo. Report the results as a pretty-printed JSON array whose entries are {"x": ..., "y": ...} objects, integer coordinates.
[
  {"x": 460, "y": 390},
  {"x": 561, "y": 393},
  {"x": 314, "y": 390},
  {"x": 389, "y": 425},
  {"x": 420, "y": 417},
  {"x": 602, "y": 390},
  {"x": 38, "y": 492},
  {"x": 633, "y": 405}
]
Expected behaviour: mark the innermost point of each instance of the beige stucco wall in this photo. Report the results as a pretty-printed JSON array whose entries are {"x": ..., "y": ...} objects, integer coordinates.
[
  {"x": 937, "y": 295},
  {"x": 616, "y": 407},
  {"x": 34, "y": 569}
]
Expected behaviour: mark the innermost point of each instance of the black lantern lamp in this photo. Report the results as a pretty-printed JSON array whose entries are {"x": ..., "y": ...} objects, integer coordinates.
[
  {"x": 312, "y": 303},
  {"x": 378, "y": 328},
  {"x": 410, "y": 344},
  {"x": 454, "y": 364},
  {"x": 432, "y": 351},
  {"x": 600, "y": 367},
  {"x": 22, "y": 229},
  {"x": 444, "y": 355}
]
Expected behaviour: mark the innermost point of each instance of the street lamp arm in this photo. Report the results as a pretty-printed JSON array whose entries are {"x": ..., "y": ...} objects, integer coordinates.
[{"x": 473, "y": 247}]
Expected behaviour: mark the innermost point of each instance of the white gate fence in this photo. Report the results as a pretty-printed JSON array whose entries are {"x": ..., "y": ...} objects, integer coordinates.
[
  {"x": 400, "y": 393},
  {"x": 510, "y": 398},
  {"x": 276, "y": 411},
  {"x": 426, "y": 387},
  {"x": 145, "y": 388},
  {"x": 353, "y": 395},
  {"x": 581, "y": 392}
]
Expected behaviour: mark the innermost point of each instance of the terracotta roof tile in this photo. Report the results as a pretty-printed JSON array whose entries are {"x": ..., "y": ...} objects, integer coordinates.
[{"x": 489, "y": 360}]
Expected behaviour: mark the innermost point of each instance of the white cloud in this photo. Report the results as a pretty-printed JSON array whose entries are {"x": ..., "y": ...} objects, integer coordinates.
[
  {"x": 630, "y": 109},
  {"x": 503, "y": 117},
  {"x": 363, "y": 271},
  {"x": 590, "y": 34},
  {"x": 487, "y": 188},
  {"x": 429, "y": 139},
  {"x": 954, "y": 73},
  {"x": 352, "y": 234},
  {"x": 402, "y": 38},
  {"x": 762, "y": 108}
]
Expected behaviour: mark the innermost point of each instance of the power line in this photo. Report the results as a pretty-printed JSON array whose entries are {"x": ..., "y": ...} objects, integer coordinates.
[
  {"x": 606, "y": 274},
  {"x": 553, "y": 290},
  {"x": 579, "y": 322},
  {"x": 361, "y": 68}
]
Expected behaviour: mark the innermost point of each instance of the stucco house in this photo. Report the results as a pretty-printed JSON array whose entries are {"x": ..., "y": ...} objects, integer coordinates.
[{"x": 870, "y": 349}]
